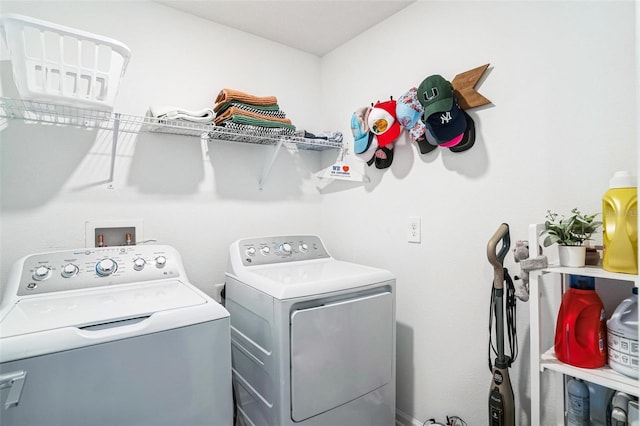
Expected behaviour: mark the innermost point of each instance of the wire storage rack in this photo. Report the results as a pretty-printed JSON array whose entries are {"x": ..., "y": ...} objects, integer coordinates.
[
  {"x": 65, "y": 115},
  {"x": 51, "y": 113}
]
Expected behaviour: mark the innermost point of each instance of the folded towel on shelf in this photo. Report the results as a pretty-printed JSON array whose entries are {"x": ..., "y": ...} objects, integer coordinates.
[
  {"x": 205, "y": 115},
  {"x": 270, "y": 110},
  {"x": 251, "y": 121},
  {"x": 259, "y": 131},
  {"x": 333, "y": 136},
  {"x": 227, "y": 95},
  {"x": 237, "y": 111}
]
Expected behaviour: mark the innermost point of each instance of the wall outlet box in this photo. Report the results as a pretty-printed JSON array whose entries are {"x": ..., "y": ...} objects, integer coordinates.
[
  {"x": 109, "y": 233},
  {"x": 413, "y": 229}
]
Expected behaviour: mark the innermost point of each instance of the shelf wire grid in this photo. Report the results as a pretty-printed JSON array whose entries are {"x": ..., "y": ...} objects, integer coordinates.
[{"x": 58, "y": 114}]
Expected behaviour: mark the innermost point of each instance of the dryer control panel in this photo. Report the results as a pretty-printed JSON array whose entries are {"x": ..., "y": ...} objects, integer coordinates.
[
  {"x": 268, "y": 250},
  {"x": 95, "y": 267}
]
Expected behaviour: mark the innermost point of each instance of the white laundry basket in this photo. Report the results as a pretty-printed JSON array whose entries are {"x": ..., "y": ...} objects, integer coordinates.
[{"x": 54, "y": 63}]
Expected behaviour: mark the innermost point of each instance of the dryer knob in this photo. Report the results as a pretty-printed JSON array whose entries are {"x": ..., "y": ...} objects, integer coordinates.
[
  {"x": 303, "y": 248},
  {"x": 106, "y": 267},
  {"x": 41, "y": 273},
  {"x": 139, "y": 263},
  {"x": 265, "y": 250},
  {"x": 251, "y": 251},
  {"x": 161, "y": 261}
]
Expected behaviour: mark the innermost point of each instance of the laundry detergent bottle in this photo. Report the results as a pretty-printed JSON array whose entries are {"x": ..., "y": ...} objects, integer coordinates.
[
  {"x": 581, "y": 329},
  {"x": 620, "y": 224},
  {"x": 577, "y": 403},
  {"x": 622, "y": 336}
]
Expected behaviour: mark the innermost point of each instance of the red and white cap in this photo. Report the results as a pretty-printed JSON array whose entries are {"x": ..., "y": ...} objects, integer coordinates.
[{"x": 383, "y": 123}]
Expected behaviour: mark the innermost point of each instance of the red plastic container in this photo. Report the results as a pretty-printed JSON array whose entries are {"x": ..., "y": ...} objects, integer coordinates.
[{"x": 581, "y": 327}]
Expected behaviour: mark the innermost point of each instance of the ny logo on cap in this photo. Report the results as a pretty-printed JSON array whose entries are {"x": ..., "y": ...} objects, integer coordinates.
[
  {"x": 445, "y": 117},
  {"x": 434, "y": 94}
]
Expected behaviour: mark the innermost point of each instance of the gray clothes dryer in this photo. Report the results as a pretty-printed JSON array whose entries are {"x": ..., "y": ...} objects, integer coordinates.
[{"x": 313, "y": 338}]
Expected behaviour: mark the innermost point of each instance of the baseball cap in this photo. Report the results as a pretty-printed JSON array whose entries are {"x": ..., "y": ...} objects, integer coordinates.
[
  {"x": 382, "y": 122},
  {"x": 384, "y": 156},
  {"x": 469, "y": 136},
  {"x": 432, "y": 140},
  {"x": 408, "y": 112},
  {"x": 360, "y": 129},
  {"x": 435, "y": 94},
  {"x": 424, "y": 145},
  {"x": 447, "y": 125},
  {"x": 369, "y": 155},
  {"x": 429, "y": 137}
]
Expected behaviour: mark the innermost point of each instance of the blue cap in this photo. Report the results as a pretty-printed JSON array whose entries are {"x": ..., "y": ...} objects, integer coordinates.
[
  {"x": 360, "y": 130},
  {"x": 409, "y": 112}
]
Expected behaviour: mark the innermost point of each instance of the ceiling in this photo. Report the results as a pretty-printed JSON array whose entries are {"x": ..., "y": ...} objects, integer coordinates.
[{"x": 313, "y": 26}]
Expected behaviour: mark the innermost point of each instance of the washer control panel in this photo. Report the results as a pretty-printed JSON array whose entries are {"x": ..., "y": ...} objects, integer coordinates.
[
  {"x": 268, "y": 250},
  {"x": 96, "y": 267}
]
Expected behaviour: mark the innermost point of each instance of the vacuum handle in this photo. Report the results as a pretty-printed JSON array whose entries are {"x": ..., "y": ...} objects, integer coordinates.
[{"x": 496, "y": 258}]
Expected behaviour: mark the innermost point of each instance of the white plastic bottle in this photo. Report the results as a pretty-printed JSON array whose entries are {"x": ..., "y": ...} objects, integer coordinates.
[
  {"x": 622, "y": 336},
  {"x": 620, "y": 409},
  {"x": 577, "y": 403}
]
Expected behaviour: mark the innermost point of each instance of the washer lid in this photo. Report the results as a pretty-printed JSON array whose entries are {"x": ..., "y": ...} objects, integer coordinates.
[
  {"x": 96, "y": 306},
  {"x": 310, "y": 277}
]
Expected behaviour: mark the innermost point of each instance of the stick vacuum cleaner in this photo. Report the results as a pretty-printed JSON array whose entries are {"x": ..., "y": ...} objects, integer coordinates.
[{"x": 501, "y": 400}]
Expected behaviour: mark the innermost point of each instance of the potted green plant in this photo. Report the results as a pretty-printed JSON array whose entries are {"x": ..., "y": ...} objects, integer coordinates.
[{"x": 570, "y": 233}]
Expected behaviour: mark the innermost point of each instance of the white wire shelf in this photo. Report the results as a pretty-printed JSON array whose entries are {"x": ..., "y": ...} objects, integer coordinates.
[{"x": 63, "y": 115}]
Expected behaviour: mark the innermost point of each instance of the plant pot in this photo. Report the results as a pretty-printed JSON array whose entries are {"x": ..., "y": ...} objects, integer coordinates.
[{"x": 572, "y": 256}]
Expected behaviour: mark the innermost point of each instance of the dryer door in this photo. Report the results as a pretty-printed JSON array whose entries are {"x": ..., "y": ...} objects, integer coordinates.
[{"x": 340, "y": 352}]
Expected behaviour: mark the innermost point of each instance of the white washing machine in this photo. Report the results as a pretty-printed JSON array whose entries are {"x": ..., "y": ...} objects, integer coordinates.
[
  {"x": 312, "y": 337},
  {"x": 112, "y": 336}
]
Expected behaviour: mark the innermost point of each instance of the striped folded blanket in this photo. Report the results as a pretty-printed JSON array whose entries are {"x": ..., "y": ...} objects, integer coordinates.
[
  {"x": 252, "y": 121},
  {"x": 270, "y": 110},
  {"x": 227, "y": 95},
  {"x": 237, "y": 111},
  {"x": 258, "y": 130}
]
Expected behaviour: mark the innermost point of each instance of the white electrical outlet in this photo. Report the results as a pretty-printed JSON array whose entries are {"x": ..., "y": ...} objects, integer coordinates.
[{"x": 413, "y": 229}]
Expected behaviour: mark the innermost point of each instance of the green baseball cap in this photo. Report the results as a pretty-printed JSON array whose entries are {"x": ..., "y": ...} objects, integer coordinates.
[{"x": 435, "y": 94}]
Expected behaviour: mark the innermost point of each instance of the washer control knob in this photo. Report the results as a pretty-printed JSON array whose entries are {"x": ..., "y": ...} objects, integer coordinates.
[
  {"x": 161, "y": 261},
  {"x": 265, "y": 250},
  {"x": 286, "y": 249},
  {"x": 303, "y": 248},
  {"x": 41, "y": 273},
  {"x": 139, "y": 263},
  {"x": 251, "y": 251},
  {"x": 69, "y": 270},
  {"x": 106, "y": 267}
]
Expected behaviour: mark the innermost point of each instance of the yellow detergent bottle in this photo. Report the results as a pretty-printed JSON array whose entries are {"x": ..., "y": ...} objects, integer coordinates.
[{"x": 620, "y": 224}]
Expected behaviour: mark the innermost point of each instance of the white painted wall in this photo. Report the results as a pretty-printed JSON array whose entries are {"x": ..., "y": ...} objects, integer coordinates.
[
  {"x": 563, "y": 119},
  {"x": 53, "y": 179}
]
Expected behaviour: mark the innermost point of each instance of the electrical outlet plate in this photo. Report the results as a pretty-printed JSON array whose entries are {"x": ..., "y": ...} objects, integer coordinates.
[
  {"x": 113, "y": 232},
  {"x": 413, "y": 229}
]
